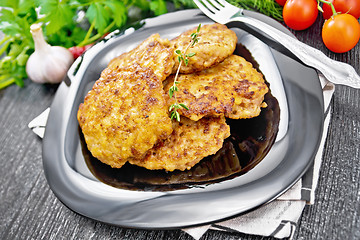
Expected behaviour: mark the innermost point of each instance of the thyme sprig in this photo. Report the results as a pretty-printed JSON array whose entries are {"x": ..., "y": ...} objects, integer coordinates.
[{"x": 183, "y": 57}]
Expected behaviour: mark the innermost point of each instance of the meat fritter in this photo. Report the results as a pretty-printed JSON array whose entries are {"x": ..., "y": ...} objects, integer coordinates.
[
  {"x": 124, "y": 115},
  {"x": 189, "y": 143},
  {"x": 232, "y": 88},
  {"x": 216, "y": 42},
  {"x": 154, "y": 53}
]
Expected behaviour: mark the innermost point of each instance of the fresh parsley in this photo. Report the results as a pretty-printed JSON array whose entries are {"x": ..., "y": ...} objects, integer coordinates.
[
  {"x": 16, "y": 44},
  {"x": 268, "y": 7},
  {"x": 66, "y": 23}
]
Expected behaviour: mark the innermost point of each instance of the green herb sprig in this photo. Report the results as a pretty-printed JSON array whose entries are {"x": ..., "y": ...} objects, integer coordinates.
[
  {"x": 183, "y": 57},
  {"x": 268, "y": 7}
]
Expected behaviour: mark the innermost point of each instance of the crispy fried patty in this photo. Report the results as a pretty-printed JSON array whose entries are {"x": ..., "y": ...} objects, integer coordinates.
[
  {"x": 154, "y": 53},
  {"x": 124, "y": 115},
  {"x": 189, "y": 143},
  {"x": 216, "y": 42},
  {"x": 232, "y": 88}
]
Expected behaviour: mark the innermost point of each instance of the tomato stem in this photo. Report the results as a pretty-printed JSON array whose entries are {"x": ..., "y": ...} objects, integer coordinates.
[{"x": 331, "y": 5}]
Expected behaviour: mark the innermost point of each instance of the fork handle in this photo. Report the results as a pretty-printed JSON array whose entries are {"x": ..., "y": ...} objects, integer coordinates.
[{"x": 335, "y": 71}]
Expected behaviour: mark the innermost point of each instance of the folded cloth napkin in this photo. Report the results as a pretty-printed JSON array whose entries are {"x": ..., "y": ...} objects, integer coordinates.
[{"x": 277, "y": 218}]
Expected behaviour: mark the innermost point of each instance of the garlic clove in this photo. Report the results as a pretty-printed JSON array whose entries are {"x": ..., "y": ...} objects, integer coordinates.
[
  {"x": 33, "y": 71},
  {"x": 47, "y": 64},
  {"x": 59, "y": 58}
]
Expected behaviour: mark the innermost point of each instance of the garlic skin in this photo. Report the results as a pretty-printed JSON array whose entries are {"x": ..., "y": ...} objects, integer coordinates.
[{"x": 47, "y": 64}]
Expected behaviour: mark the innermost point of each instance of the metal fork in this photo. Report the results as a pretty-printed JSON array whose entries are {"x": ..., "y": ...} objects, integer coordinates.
[{"x": 336, "y": 72}]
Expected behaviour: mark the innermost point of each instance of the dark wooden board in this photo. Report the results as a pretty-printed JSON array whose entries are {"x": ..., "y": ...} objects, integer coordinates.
[{"x": 29, "y": 209}]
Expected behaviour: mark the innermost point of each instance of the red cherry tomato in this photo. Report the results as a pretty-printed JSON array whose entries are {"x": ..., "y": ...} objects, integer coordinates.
[
  {"x": 281, "y": 2},
  {"x": 77, "y": 51},
  {"x": 300, "y": 14},
  {"x": 86, "y": 47},
  {"x": 341, "y": 33},
  {"x": 351, "y": 7}
]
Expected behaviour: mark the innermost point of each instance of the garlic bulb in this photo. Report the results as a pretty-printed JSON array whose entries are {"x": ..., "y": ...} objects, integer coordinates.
[{"x": 47, "y": 63}]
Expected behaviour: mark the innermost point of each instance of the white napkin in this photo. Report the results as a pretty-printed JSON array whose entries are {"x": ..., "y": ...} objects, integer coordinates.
[
  {"x": 38, "y": 124},
  {"x": 277, "y": 218}
]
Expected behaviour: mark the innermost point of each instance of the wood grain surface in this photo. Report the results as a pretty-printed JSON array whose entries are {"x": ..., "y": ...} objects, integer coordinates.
[{"x": 29, "y": 209}]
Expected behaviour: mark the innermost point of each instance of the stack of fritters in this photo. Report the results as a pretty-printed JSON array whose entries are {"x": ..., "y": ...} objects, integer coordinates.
[{"x": 125, "y": 117}]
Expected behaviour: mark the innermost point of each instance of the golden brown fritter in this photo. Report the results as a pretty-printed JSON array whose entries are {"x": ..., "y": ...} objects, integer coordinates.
[
  {"x": 154, "y": 53},
  {"x": 216, "y": 42},
  {"x": 124, "y": 115},
  {"x": 232, "y": 88},
  {"x": 189, "y": 143}
]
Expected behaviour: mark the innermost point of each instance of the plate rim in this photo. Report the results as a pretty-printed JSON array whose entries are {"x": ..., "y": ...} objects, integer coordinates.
[{"x": 63, "y": 90}]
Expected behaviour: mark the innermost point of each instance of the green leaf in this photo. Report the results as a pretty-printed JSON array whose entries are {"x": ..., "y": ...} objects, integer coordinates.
[
  {"x": 57, "y": 14},
  {"x": 175, "y": 115},
  {"x": 172, "y": 116},
  {"x": 19, "y": 82},
  {"x": 26, "y": 6},
  {"x": 118, "y": 11},
  {"x": 15, "y": 25},
  {"x": 47, "y": 6},
  {"x": 198, "y": 28},
  {"x": 183, "y": 106},
  {"x": 191, "y": 54},
  {"x": 11, "y": 29},
  {"x": 184, "y": 4},
  {"x": 142, "y": 4},
  {"x": 11, "y": 24},
  {"x": 98, "y": 14},
  {"x": 186, "y": 61},
  {"x": 60, "y": 38},
  {"x": 267, "y": 7},
  {"x": 77, "y": 35},
  {"x": 6, "y": 15},
  {"x": 158, "y": 7},
  {"x": 171, "y": 93},
  {"x": 9, "y": 3}
]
